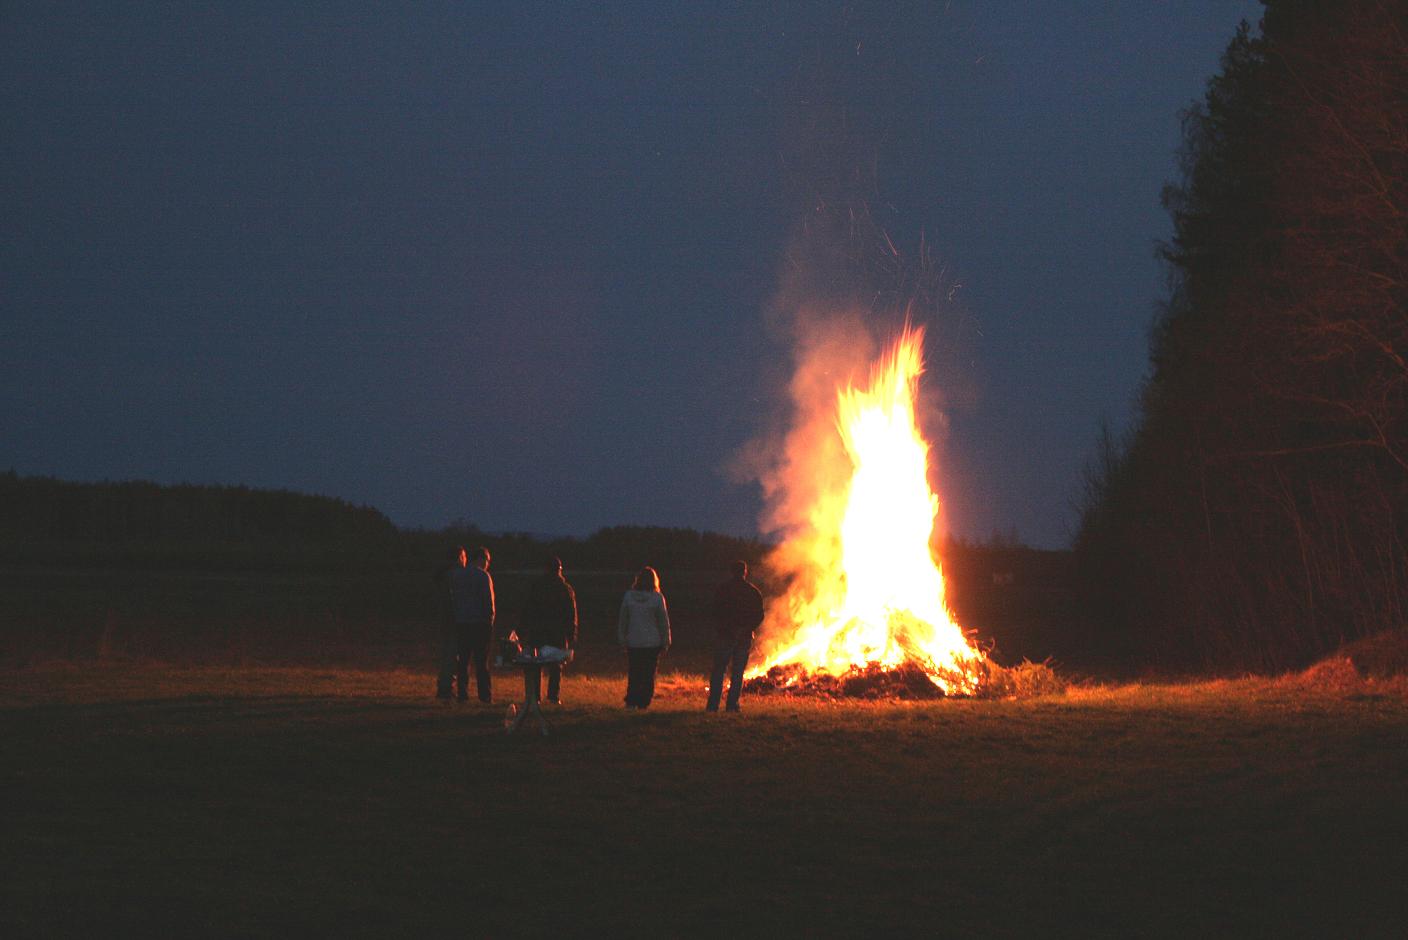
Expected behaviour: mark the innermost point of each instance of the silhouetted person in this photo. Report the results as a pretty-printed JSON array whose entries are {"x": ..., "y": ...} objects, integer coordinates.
[
  {"x": 737, "y": 610},
  {"x": 549, "y": 619},
  {"x": 643, "y": 629},
  {"x": 472, "y": 617},
  {"x": 445, "y": 676}
]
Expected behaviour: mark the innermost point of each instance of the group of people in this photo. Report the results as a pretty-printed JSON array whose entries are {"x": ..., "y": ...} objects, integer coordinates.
[{"x": 549, "y": 622}]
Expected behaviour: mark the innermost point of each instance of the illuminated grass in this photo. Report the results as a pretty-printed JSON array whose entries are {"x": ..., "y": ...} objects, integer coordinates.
[{"x": 278, "y": 801}]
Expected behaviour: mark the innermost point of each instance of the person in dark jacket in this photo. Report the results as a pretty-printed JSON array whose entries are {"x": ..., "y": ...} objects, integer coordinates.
[
  {"x": 449, "y": 640},
  {"x": 549, "y": 619},
  {"x": 737, "y": 610},
  {"x": 472, "y": 625}
]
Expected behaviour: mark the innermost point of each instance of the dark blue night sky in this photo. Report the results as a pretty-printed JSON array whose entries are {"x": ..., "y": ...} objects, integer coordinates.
[{"x": 510, "y": 262}]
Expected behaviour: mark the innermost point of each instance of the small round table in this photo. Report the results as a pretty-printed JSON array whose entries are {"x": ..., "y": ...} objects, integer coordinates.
[{"x": 526, "y": 660}]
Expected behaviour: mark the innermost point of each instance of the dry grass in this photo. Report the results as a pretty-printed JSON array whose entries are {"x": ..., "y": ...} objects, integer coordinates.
[{"x": 277, "y": 801}]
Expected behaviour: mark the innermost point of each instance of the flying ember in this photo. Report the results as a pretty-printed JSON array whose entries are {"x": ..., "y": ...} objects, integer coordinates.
[{"x": 868, "y": 595}]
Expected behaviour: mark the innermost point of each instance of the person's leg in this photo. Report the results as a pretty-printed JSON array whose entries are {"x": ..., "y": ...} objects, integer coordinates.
[
  {"x": 554, "y": 683},
  {"x": 444, "y": 682},
  {"x": 639, "y": 674},
  {"x": 740, "y": 653},
  {"x": 635, "y": 670},
  {"x": 532, "y": 684},
  {"x": 722, "y": 652},
  {"x": 463, "y": 651},
  {"x": 479, "y": 651},
  {"x": 647, "y": 685}
]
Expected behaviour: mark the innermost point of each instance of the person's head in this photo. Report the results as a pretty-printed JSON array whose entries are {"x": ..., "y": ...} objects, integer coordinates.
[
  {"x": 739, "y": 569},
  {"x": 552, "y": 566},
  {"x": 481, "y": 558},
  {"x": 647, "y": 580},
  {"x": 458, "y": 556}
]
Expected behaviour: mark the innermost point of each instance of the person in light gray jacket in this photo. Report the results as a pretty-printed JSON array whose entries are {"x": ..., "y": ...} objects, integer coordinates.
[{"x": 643, "y": 630}]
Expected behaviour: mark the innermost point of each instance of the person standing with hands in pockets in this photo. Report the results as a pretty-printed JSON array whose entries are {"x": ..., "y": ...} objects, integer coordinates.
[
  {"x": 738, "y": 611},
  {"x": 643, "y": 630}
]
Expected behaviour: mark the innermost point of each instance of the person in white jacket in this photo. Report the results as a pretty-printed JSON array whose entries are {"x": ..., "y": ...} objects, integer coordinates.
[{"x": 643, "y": 630}]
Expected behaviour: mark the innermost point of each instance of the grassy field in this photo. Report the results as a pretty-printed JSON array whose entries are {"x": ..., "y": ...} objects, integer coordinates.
[{"x": 142, "y": 800}]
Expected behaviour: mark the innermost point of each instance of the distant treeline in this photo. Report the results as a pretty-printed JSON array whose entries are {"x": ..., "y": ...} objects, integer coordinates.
[
  {"x": 1258, "y": 514},
  {"x": 48, "y": 521},
  {"x": 616, "y": 548}
]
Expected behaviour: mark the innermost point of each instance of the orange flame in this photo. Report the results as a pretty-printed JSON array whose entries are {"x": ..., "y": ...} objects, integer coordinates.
[{"x": 869, "y": 591}]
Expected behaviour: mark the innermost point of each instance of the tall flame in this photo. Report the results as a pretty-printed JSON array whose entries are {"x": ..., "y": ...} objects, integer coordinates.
[{"x": 871, "y": 593}]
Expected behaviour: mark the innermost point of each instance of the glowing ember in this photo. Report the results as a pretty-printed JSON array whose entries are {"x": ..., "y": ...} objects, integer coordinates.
[{"x": 868, "y": 595}]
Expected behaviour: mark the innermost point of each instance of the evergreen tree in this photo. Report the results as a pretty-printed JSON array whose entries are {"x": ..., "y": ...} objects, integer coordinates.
[{"x": 1258, "y": 516}]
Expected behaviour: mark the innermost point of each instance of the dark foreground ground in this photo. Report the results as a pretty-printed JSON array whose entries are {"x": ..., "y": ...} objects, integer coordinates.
[{"x": 260, "y": 801}]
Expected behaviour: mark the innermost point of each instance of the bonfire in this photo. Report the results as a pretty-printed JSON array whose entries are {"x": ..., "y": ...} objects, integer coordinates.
[{"x": 865, "y": 612}]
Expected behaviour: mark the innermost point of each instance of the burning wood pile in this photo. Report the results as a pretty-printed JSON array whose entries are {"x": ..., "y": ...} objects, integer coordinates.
[
  {"x": 865, "y": 613},
  {"x": 871, "y": 681}
]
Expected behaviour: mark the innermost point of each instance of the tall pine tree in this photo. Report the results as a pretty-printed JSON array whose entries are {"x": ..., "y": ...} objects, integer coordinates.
[{"x": 1258, "y": 515}]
